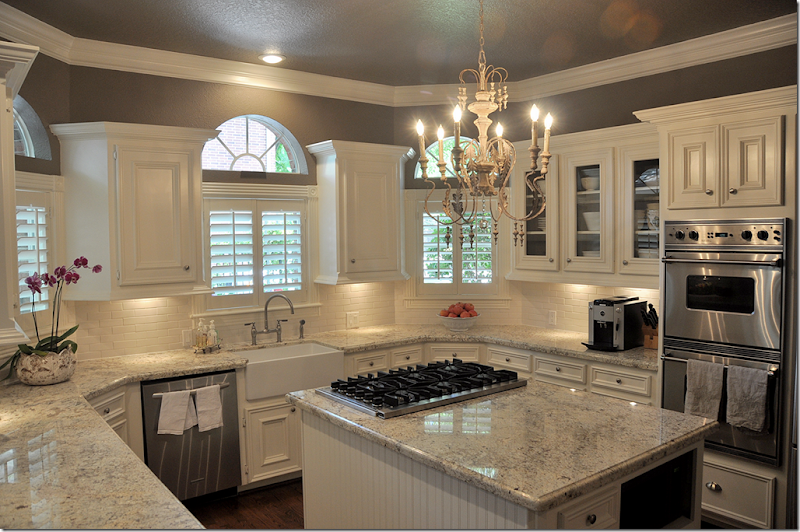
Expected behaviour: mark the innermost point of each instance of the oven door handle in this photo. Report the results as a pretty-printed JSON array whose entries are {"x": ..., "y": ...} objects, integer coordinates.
[
  {"x": 776, "y": 262},
  {"x": 772, "y": 369}
]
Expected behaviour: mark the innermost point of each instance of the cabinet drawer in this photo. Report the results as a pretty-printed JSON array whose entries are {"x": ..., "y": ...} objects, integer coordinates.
[
  {"x": 560, "y": 372},
  {"x": 110, "y": 404},
  {"x": 600, "y": 511},
  {"x": 409, "y": 356},
  {"x": 465, "y": 352},
  {"x": 621, "y": 381},
  {"x": 502, "y": 358},
  {"x": 739, "y": 495},
  {"x": 371, "y": 362}
]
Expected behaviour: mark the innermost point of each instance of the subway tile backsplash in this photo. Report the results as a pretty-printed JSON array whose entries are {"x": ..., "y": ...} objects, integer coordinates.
[{"x": 116, "y": 328}]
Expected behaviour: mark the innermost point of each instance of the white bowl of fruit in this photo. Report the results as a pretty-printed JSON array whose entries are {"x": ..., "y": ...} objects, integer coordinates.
[{"x": 459, "y": 317}]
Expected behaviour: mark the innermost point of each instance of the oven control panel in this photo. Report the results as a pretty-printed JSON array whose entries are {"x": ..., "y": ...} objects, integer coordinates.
[{"x": 725, "y": 233}]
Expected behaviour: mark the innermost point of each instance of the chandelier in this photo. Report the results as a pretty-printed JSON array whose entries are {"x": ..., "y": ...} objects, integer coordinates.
[{"x": 482, "y": 168}]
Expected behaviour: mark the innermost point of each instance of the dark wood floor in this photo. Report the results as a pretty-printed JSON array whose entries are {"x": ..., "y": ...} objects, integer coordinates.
[{"x": 277, "y": 506}]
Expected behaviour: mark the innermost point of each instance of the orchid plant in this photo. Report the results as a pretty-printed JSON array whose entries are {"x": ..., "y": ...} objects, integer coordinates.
[{"x": 54, "y": 343}]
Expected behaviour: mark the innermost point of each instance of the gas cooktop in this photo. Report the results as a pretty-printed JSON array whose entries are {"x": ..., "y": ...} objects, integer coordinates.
[{"x": 412, "y": 389}]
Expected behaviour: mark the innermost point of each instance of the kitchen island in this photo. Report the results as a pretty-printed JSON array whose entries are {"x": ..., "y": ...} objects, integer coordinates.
[{"x": 540, "y": 456}]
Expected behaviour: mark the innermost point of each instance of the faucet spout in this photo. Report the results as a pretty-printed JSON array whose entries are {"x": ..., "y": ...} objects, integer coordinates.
[{"x": 266, "y": 310}]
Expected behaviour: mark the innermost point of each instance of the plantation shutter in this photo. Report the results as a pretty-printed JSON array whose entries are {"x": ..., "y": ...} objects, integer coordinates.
[
  {"x": 231, "y": 250},
  {"x": 281, "y": 238},
  {"x": 476, "y": 261},
  {"x": 437, "y": 255},
  {"x": 33, "y": 232}
]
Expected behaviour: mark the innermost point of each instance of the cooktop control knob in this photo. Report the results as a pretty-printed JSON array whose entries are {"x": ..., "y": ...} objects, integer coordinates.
[
  {"x": 680, "y": 235},
  {"x": 694, "y": 235},
  {"x": 762, "y": 235},
  {"x": 747, "y": 235}
]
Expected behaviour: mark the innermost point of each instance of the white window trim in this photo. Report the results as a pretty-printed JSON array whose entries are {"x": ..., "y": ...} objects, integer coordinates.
[
  {"x": 417, "y": 298},
  {"x": 263, "y": 191}
]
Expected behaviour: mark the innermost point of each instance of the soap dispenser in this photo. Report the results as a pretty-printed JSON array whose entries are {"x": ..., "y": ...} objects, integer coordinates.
[
  {"x": 213, "y": 338},
  {"x": 201, "y": 337}
]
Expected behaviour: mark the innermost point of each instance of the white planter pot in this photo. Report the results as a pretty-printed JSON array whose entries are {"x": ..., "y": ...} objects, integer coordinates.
[{"x": 53, "y": 368}]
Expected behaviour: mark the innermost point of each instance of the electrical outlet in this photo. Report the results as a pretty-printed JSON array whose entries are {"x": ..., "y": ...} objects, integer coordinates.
[
  {"x": 551, "y": 317},
  {"x": 352, "y": 320},
  {"x": 187, "y": 338}
]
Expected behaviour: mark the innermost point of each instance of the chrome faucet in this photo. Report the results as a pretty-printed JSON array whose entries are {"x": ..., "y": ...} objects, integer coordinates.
[{"x": 255, "y": 332}]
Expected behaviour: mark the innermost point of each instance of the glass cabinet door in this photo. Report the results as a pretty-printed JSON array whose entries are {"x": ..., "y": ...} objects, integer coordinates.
[
  {"x": 588, "y": 212},
  {"x": 640, "y": 217},
  {"x": 539, "y": 250}
]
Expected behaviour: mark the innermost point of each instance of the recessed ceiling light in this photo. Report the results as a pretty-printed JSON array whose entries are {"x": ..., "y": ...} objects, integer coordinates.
[{"x": 272, "y": 58}]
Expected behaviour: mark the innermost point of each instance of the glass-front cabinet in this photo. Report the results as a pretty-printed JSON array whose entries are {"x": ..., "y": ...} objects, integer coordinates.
[
  {"x": 640, "y": 190},
  {"x": 588, "y": 192},
  {"x": 540, "y": 247}
]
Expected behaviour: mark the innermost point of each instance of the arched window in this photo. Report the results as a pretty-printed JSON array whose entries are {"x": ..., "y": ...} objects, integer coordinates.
[
  {"x": 254, "y": 143},
  {"x": 432, "y": 152},
  {"x": 23, "y": 145},
  {"x": 30, "y": 136}
]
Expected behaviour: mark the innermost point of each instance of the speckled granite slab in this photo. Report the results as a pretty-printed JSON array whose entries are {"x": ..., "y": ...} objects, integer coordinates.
[
  {"x": 62, "y": 466},
  {"x": 552, "y": 341},
  {"x": 543, "y": 444}
]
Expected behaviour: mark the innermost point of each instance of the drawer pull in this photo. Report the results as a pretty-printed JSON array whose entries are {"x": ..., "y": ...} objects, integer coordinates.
[
  {"x": 294, "y": 409},
  {"x": 619, "y": 381},
  {"x": 106, "y": 410},
  {"x": 408, "y": 357},
  {"x": 558, "y": 368},
  {"x": 713, "y": 486},
  {"x": 591, "y": 519},
  {"x": 733, "y": 191},
  {"x": 508, "y": 359},
  {"x": 372, "y": 363},
  {"x": 709, "y": 192}
]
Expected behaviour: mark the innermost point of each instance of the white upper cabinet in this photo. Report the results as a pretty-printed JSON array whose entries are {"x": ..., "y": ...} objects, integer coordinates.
[
  {"x": 360, "y": 211},
  {"x": 727, "y": 152},
  {"x": 133, "y": 204}
]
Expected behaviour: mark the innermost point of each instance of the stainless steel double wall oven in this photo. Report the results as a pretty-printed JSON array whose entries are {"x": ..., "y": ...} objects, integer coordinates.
[{"x": 723, "y": 303}]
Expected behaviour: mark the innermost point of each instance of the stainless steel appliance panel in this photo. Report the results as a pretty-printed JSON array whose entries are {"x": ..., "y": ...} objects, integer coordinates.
[
  {"x": 195, "y": 463},
  {"x": 731, "y": 298}
]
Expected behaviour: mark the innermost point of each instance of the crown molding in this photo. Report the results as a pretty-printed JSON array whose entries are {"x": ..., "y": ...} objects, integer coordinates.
[{"x": 19, "y": 27}]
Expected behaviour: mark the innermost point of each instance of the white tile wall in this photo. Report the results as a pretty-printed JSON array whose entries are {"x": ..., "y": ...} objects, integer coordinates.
[{"x": 133, "y": 327}]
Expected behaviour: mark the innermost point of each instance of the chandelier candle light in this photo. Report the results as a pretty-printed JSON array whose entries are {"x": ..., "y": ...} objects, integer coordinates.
[{"x": 482, "y": 168}]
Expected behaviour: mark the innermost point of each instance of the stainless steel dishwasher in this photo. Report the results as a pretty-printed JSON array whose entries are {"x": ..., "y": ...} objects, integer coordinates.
[{"x": 194, "y": 463}]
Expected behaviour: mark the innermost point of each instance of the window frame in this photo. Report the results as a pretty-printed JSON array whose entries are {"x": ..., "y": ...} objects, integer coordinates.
[{"x": 299, "y": 197}]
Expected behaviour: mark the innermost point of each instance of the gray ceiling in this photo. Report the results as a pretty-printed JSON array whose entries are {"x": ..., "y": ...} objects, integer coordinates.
[{"x": 403, "y": 42}]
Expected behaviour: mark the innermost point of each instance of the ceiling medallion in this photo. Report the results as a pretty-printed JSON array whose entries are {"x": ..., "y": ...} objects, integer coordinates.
[{"x": 482, "y": 168}]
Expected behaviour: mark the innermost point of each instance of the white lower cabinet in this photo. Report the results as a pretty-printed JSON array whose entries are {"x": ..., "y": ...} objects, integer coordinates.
[
  {"x": 121, "y": 408},
  {"x": 272, "y": 428},
  {"x": 736, "y": 496},
  {"x": 600, "y": 511},
  {"x": 439, "y": 352},
  {"x": 509, "y": 358},
  {"x": 383, "y": 360},
  {"x": 556, "y": 370}
]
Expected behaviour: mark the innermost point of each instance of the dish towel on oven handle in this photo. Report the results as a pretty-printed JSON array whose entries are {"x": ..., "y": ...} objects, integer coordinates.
[
  {"x": 747, "y": 398},
  {"x": 209, "y": 408},
  {"x": 177, "y": 413},
  {"x": 703, "y": 388}
]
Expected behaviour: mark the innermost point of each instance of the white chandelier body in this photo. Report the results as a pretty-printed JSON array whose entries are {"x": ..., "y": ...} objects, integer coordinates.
[{"x": 482, "y": 168}]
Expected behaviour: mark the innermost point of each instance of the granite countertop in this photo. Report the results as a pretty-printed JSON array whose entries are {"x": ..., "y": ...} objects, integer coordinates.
[
  {"x": 550, "y": 341},
  {"x": 64, "y": 467},
  {"x": 536, "y": 446}
]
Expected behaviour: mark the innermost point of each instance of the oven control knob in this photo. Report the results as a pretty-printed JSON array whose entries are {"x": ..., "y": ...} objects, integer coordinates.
[
  {"x": 747, "y": 235},
  {"x": 680, "y": 235},
  {"x": 694, "y": 235},
  {"x": 762, "y": 235}
]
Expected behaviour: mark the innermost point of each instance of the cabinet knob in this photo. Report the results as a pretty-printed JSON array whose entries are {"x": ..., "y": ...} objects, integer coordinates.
[
  {"x": 186, "y": 267},
  {"x": 550, "y": 259},
  {"x": 625, "y": 262},
  {"x": 558, "y": 368},
  {"x": 619, "y": 381},
  {"x": 372, "y": 363},
  {"x": 713, "y": 486},
  {"x": 709, "y": 192},
  {"x": 106, "y": 410},
  {"x": 408, "y": 357},
  {"x": 569, "y": 259},
  {"x": 352, "y": 261},
  {"x": 591, "y": 519},
  {"x": 733, "y": 191},
  {"x": 293, "y": 409},
  {"x": 508, "y": 359}
]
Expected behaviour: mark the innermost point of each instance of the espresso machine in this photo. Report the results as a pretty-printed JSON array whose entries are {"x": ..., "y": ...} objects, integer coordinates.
[{"x": 615, "y": 323}]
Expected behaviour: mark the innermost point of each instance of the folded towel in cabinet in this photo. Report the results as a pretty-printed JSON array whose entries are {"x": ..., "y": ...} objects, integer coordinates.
[
  {"x": 177, "y": 413},
  {"x": 209, "y": 408},
  {"x": 747, "y": 398},
  {"x": 703, "y": 388}
]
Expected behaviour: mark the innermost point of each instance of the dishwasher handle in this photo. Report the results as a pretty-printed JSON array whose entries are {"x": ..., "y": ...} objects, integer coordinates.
[{"x": 191, "y": 392}]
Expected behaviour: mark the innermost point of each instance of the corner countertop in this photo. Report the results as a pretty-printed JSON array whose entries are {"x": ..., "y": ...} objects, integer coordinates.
[
  {"x": 575, "y": 442},
  {"x": 550, "y": 341},
  {"x": 64, "y": 467}
]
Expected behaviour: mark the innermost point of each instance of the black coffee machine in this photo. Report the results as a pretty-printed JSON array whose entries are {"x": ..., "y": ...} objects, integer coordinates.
[{"x": 615, "y": 323}]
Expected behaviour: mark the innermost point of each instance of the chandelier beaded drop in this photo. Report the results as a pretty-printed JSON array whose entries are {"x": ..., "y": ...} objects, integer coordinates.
[{"x": 482, "y": 168}]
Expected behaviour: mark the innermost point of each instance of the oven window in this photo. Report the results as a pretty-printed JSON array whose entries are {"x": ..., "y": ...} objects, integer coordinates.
[{"x": 721, "y": 294}]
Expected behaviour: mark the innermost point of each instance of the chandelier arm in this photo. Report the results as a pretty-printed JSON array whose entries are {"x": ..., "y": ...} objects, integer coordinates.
[{"x": 540, "y": 202}]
